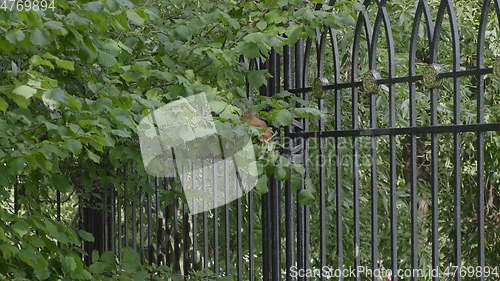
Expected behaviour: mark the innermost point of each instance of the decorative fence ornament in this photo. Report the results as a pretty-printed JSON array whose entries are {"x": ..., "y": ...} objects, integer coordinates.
[
  {"x": 317, "y": 87},
  {"x": 369, "y": 82},
  {"x": 431, "y": 79}
]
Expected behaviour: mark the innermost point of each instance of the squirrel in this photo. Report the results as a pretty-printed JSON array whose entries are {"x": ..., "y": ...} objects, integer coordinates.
[{"x": 250, "y": 118}]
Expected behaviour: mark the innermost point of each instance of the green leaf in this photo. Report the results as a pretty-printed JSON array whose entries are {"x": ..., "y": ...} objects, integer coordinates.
[
  {"x": 77, "y": 20},
  {"x": 94, "y": 157},
  {"x": 261, "y": 186},
  {"x": 15, "y": 36},
  {"x": 38, "y": 158},
  {"x": 8, "y": 251},
  {"x": 40, "y": 269},
  {"x": 250, "y": 50},
  {"x": 281, "y": 117},
  {"x": 24, "y": 91},
  {"x": 65, "y": 64},
  {"x": 345, "y": 19},
  {"x": 98, "y": 268},
  {"x": 293, "y": 34},
  {"x": 261, "y": 25},
  {"x": 282, "y": 171},
  {"x": 298, "y": 168},
  {"x": 57, "y": 231},
  {"x": 306, "y": 196},
  {"x": 308, "y": 112},
  {"x": 131, "y": 261},
  {"x": 295, "y": 182},
  {"x": 121, "y": 133},
  {"x": 134, "y": 18},
  {"x": 95, "y": 6},
  {"x": 257, "y": 78},
  {"x": 183, "y": 33},
  {"x": 86, "y": 236},
  {"x": 61, "y": 183},
  {"x": 21, "y": 228},
  {"x": 37, "y": 60},
  {"x": 57, "y": 27},
  {"x": 28, "y": 256},
  {"x": 59, "y": 95},
  {"x": 40, "y": 37},
  {"x": 15, "y": 165},
  {"x": 107, "y": 59},
  {"x": 3, "y": 105},
  {"x": 68, "y": 264},
  {"x": 72, "y": 145},
  {"x": 21, "y": 101}
]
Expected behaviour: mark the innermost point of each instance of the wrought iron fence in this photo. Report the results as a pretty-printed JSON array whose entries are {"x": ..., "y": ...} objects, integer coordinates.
[{"x": 370, "y": 155}]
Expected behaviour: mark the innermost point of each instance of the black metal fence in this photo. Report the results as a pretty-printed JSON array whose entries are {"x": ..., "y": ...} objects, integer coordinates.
[{"x": 377, "y": 156}]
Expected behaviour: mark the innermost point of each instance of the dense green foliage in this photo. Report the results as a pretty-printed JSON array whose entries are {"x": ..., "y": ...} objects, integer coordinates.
[{"x": 75, "y": 82}]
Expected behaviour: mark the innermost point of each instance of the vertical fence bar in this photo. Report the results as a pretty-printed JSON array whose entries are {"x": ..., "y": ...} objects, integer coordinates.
[
  {"x": 251, "y": 269},
  {"x": 58, "y": 195},
  {"x": 457, "y": 163},
  {"x": 112, "y": 219},
  {"x": 175, "y": 228},
  {"x": 141, "y": 225},
  {"x": 158, "y": 221},
  {"x": 251, "y": 275},
  {"x": 434, "y": 184},
  {"x": 186, "y": 240},
  {"x": 103, "y": 213},
  {"x": 134, "y": 222},
  {"x": 226, "y": 223},
  {"x": 383, "y": 17},
  {"x": 166, "y": 232},
  {"x": 125, "y": 210},
  {"x": 338, "y": 167},
  {"x": 205, "y": 220},
  {"x": 374, "y": 183},
  {"x": 119, "y": 223},
  {"x": 320, "y": 60},
  {"x": 125, "y": 243},
  {"x": 239, "y": 241},
  {"x": 300, "y": 209},
  {"x": 267, "y": 266},
  {"x": 355, "y": 149},
  {"x": 413, "y": 138},
  {"x": 373, "y": 147},
  {"x": 185, "y": 228},
  {"x": 266, "y": 243},
  {"x": 289, "y": 220},
  {"x": 434, "y": 145},
  {"x": 305, "y": 156},
  {"x": 274, "y": 195},
  {"x": 194, "y": 258},
  {"x": 422, "y": 9},
  {"x": 215, "y": 173},
  {"x": 480, "y": 137},
  {"x": 149, "y": 236}
]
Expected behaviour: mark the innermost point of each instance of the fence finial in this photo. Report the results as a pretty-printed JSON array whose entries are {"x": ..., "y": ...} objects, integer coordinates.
[{"x": 369, "y": 82}]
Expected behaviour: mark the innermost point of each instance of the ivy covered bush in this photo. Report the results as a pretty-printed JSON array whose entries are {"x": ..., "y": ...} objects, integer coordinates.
[
  {"x": 37, "y": 248},
  {"x": 76, "y": 79}
]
